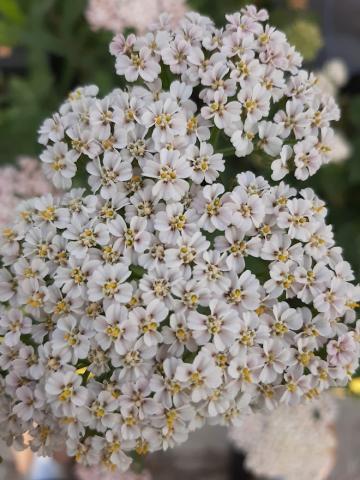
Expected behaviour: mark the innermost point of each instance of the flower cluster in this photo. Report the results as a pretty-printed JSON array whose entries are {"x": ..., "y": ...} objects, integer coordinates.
[
  {"x": 133, "y": 313},
  {"x": 293, "y": 443},
  {"x": 16, "y": 184},
  {"x": 117, "y": 15},
  {"x": 248, "y": 82}
]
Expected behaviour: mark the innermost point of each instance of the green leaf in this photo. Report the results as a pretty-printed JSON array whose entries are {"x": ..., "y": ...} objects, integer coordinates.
[
  {"x": 355, "y": 111},
  {"x": 71, "y": 13},
  {"x": 12, "y": 11},
  {"x": 354, "y": 164},
  {"x": 9, "y": 33}
]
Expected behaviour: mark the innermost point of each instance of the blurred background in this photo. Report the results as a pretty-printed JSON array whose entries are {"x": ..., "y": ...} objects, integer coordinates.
[{"x": 47, "y": 48}]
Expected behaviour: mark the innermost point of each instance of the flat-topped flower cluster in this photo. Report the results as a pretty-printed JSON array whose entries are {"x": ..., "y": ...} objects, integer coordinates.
[
  {"x": 133, "y": 313},
  {"x": 248, "y": 82}
]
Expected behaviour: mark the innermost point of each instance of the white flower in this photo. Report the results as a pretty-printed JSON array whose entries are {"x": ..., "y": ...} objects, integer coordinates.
[
  {"x": 167, "y": 388},
  {"x": 237, "y": 248},
  {"x": 158, "y": 284},
  {"x": 13, "y": 324},
  {"x": 332, "y": 302},
  {"x": 166, "y": 118},
  {"x": 297, "y": 219},
  {"x": 170, "y": 172},
  {"x": 204, "y": 163},
  {"x": 66, "y": 392},
  {"x": 151, "y": 300},
  {"x": 175, "y": 55},
  {"x": 255, "y": 102},
  {"x": 85, "y": 236},
  {"x": 201, "y": 375},
  {"x": 280, "y": 165},
  {"x": 214, "y": 214},
  {"x": 72, "y": 279},
  {"x": 149, "y": 320},
  {"x": 27, "y": 403},
  {"x": 99, "y": 408},
  {"x": 178, "y": 335},
  {"x": 173, "y": 223},
  {"x": 223, "y": 112},
  {"x": 274, "y": 357},
  {"x": 70, "y": 341},
  {"x": 210, "y": 272},
  {"x": 60, "y": 164},
  {"x": 138, "y": 64},
  {"x": 243, "y": 292},
  {"x": 108, "y": 282},
  {"x": 132, "y": 238},
  {"x": 111, "y": 171},
  {"x": 188, "y": 250},
  {"x": 247, "y": 210},
  {"x": 282, "y": 321},
  {"x": 342, "y": 351},
  {"x": 313, "y": 278},
  {"x": 269, "y": 138},
  {"x": 307, "y": 158},
  {"x": 242, "y": 138},
  {"x": 137, "y": 395},
  {"x": 220, "y": 325}
]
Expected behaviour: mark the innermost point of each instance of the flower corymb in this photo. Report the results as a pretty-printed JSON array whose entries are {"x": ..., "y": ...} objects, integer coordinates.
[{"x": 157, "y": 297}]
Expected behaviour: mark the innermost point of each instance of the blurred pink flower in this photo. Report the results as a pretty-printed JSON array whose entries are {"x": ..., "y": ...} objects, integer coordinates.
[
  {"x": 96, "y": 473},
  {"x": 116, "y": 15},
  {"x": 25, "y": 180}
]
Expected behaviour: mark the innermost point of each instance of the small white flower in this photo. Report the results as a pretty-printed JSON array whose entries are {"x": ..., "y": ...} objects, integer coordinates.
[
  {"x": 201, "y": 375},
  {"x": 60, "y": 164},
  {"x": 138, "y": 64},
  {"x": 205, "y": 164},
  {"x": 108, "y": 283},
  {"x": 66, "y": 392},
  {"x": 149, "y": 320},
  {"x": 13, "y": 324},
  {"x": 221, "y": 325},
  {"x": 170, "y": 174}
]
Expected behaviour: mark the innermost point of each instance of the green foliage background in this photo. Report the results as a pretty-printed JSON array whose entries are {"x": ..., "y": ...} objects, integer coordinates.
[{"x": 55, "y": 51}]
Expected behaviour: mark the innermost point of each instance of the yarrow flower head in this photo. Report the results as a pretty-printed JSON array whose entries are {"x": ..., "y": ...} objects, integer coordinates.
[
  {"x": 154, "y": 299},
  {"x": 291, "y": 442},
  {"x": 117, "y": 15},
  {"x": 25, "y": 180}
]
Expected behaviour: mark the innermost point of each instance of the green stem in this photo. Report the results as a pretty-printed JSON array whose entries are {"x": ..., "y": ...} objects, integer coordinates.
[{"x": 227, "y": 152}]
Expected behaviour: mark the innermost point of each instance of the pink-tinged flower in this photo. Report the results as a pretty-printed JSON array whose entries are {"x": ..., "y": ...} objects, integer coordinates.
[
  {"x": 223, "y": 112},
  {"x": 118, "y": 15},
  {"x": 275, "y": 357},
  {"x": 332, "y": 301},
  {"x": 343, "y": 351},
  {"x": 255, "y": 101}
]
